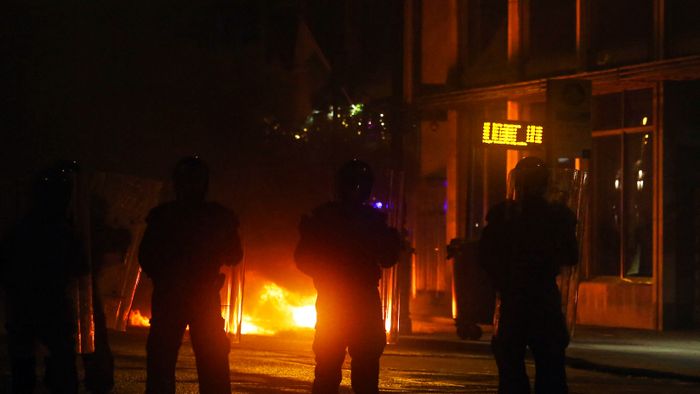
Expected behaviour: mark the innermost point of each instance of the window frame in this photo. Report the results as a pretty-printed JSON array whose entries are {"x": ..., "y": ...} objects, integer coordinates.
[{"x": 653, "y": 128}]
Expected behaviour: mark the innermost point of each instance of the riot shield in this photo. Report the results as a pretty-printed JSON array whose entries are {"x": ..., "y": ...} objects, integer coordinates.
[
  {"x": 120, "y": 203},
  {"x": 388, "y": 197},
  {"x": 81, "y": 287},
  {"x": 570, "y": 187},
  {"x": 232, "y": 299}
]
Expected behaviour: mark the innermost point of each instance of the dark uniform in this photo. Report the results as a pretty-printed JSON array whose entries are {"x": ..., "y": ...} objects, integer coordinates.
[
  {"x": 183, "y": 248},
  {"x": 523, "y": 247},
  {"x": 40, "y": 257},
  {"x": 343, "y": 246}
]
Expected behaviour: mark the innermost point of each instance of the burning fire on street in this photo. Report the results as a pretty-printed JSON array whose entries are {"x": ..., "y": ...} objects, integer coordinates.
[
  {"x": 136, "y": 319},
  {"x": 268, "y": 309},
  {"x": 278, "y": 309}
]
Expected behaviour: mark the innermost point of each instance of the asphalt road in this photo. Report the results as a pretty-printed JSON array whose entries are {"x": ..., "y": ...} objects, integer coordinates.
[{"x": 284, "y": 364}]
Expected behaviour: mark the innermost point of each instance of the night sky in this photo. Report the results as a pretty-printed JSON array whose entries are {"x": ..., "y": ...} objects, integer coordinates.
[{"x": 130, "y": 87}]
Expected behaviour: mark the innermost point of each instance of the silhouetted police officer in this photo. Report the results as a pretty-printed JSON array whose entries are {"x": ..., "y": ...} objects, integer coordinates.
[
  {"x": 185, "y": 244},
  {"x": 523, "y": 246},
  {"x": 343, "y": 247},
  {"x": 40, "y": 257}
]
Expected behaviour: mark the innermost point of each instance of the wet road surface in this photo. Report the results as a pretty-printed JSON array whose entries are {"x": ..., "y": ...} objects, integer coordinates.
[{"x": 284, "y": 364}]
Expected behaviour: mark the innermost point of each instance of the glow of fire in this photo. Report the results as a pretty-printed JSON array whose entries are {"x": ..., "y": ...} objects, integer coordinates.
[
  {"x": 304, "y": 316},
  {"x": 138, "y": 320},
  {"x": 279, "y": 309},
  {"x": 274, "y": 309},
  {"x": 387, "y": 325},
  {"x": 248, "y": 327}
]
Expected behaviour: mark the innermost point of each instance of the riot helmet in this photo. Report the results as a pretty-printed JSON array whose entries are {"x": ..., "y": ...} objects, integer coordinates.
[
  {"x": 191, "y": 180},
  {"x": 354, "y": 182},
  {"x": 530, "y": 178}
]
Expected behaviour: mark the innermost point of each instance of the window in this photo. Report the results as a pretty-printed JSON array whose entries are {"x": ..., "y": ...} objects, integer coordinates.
[
  {"x": 637, "y": 204},
  {"x": 621, "y": 31},
  {"x": 622, "y": 184},
  {"x": 488, "y": 32},
  {"x": 606, "y": 112},
  {"x": 682, "y": 28},
  {"x": 547, "y": 16},
  {"x": 618, "y": 110},
  {"x": 638, "y": 108}
]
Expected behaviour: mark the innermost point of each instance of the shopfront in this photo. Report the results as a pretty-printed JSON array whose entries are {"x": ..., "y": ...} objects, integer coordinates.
[
  {"x": 474, "y": 61},
  {"x": 630, "y": 264}
]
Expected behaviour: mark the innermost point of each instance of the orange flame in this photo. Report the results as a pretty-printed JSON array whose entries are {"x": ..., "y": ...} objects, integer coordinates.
[
  {"x": 278, "y": 309},
  {"x": 273, "y": 309},
  {"x": 136, "y": 319}
]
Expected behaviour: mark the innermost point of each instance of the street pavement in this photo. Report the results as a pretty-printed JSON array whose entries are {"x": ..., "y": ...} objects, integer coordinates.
[
  {"x": 419, "y": 364},
  {"x": 668, "y": 354},
  {"x": 628, "y": 352}
]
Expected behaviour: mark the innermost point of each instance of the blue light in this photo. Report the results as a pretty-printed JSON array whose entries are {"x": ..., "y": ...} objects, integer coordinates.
[{"x": 378, "y": 205}]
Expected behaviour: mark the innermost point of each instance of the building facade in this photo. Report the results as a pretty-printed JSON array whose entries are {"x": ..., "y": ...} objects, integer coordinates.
[{"x": 470, "y": 61}]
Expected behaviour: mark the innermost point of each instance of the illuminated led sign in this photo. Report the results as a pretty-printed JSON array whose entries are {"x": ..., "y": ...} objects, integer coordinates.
[{"x": 511, "y": 134}]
